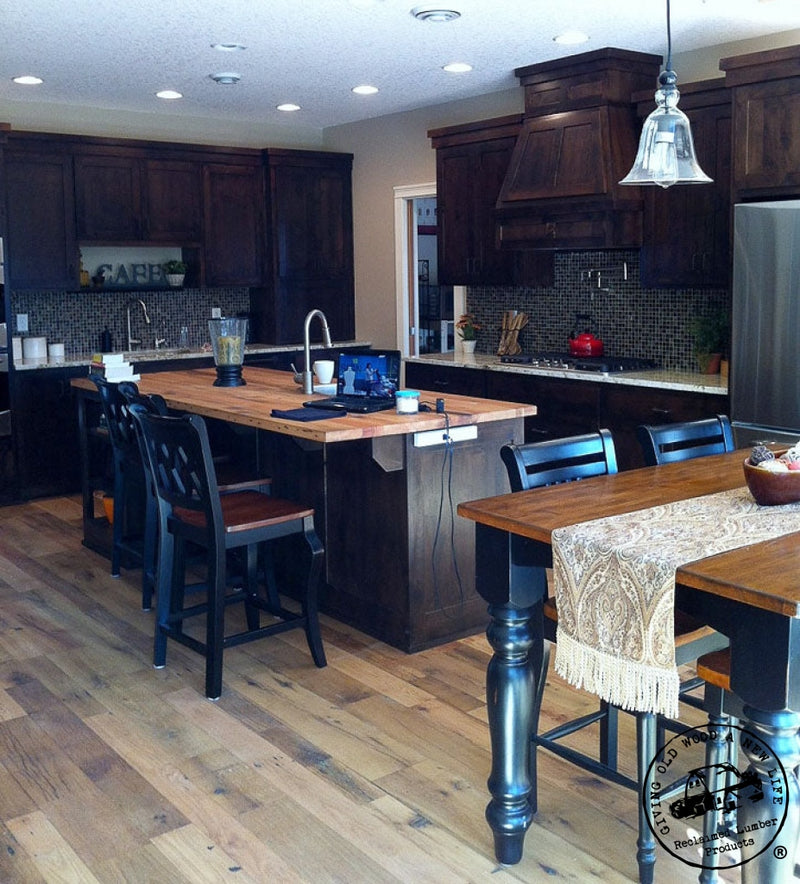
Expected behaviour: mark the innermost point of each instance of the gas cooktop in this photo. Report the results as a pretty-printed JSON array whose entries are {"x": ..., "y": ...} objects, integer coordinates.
[{"x": 570, "y": 362}]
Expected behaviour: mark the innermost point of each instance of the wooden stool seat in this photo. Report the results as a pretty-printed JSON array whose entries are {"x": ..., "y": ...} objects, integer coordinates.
[
  {"x": 715, "y": 668},
  {"x": 248, "y": 511}
]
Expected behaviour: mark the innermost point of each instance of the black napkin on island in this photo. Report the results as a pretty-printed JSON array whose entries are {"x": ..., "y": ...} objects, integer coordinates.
[{"x": 307, "y": 414}]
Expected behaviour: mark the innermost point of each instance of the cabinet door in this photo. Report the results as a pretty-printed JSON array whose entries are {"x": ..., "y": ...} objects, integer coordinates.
[
  {"x": 441, "y": 379},
  {"x": 233, "y": 224},
  {"x": 42, "y": 251},
  {"x": 768, "y": 139},
  {"x": 46, "y": 430},
  {"x": 295, "y": 296},
  {"x": 311, "y": 220},
  {"x": 174, "y": 195},
  {"x": 686, "y": 238},
  {"x": 108, "y": 199}
]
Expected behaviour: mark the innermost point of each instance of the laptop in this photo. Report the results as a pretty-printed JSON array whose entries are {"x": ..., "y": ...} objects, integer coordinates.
[{"x": 366, "y": 381}]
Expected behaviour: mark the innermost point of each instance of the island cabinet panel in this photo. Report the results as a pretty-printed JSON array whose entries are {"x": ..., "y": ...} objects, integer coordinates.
[
  {"x": 108, "y": 198},
  {"x": 686, "y": 239},
  {"x": 234, "y": 224},
  {"x": 42, "y": 250},
  {"x": 623, "y": 408},
  {"x": 766, "y": 120},
  {"x": 394, "y": 567}
]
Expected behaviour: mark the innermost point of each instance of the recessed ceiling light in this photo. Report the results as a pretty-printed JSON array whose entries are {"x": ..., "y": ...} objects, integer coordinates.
[
  {"x": 226, "y": 78},
  {"x": 457, "y": 67},
  {"x": 365, "y": 90},
  {"x": 228, "y": 47},
  {"x": 433, "y": 13},
  {"x": 28, "y": 81},
  {"x": 168, "y": 94},
  {"x": 571, "y": 38},
  {"x": 288, "y": 107}
]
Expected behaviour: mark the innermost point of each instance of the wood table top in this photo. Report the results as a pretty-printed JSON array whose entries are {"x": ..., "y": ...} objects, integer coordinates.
[
  {"x": 251, "y": 405},
  {"x": 764, "y": 575}
]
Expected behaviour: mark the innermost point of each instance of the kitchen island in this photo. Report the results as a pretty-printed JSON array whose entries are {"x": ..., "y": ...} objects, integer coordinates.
[{"x": 399, "y": 565}]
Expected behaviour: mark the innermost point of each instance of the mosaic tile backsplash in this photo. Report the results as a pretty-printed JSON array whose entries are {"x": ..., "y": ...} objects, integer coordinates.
[
  {"x": 79, "y": 318},
  {"x": 630, "y": 320}
]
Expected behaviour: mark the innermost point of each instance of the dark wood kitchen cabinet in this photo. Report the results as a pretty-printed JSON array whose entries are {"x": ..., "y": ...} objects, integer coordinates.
[
  {"x": 310, "y": 244},
  {"x": 108, "y": 198},
  {"x": 46, "y": 431},
  {"x": 471, "y": 163},
  {"x": 444, "y": 379},
  {"x": 173, "y": 195},
  {"x": 686, "y": 239},
  {"x": 42, "y": 250},
  {"x": 233, "y": 207}
]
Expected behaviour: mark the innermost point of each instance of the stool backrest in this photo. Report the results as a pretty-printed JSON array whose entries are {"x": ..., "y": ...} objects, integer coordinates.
[
  {"x": 182, "y": 470},
  {"x": 121, "y": 430},
  {"x": 667, "y": 443},
  {"x": 536, "y": 464}
]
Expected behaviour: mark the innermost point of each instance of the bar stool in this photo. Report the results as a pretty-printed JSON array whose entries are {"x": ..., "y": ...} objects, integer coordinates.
[
  {"x": 191, "y": 509},
  {"x": 666, "y": 443},
  {"x": 573, "y": 458}
]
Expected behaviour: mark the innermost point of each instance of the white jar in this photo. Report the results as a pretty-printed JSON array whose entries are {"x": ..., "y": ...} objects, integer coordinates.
[{"x": 407, "y": 401}]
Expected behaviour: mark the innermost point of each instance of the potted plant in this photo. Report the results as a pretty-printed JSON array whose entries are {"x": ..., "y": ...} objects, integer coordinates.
[
  {"x": 175, "y": 272},
  {"x": 467, "y": 330},
  {"x": 711, "y": 333}
]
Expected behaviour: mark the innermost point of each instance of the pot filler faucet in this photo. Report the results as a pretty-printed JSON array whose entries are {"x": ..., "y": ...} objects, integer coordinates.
[
  {"x": 308, "y": 376},
  {"x": 131, "y": 340}
]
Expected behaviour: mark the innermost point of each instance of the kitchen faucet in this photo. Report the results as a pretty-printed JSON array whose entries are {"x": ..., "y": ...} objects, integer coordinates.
[
  {"x": 308, "y": 377},
  {"x": 131, "y": 340}
]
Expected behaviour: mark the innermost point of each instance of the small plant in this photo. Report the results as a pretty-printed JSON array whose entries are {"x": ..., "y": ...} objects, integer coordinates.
[
  {"x": 711, "y": 331},
  {"x": 467, "y": 327},
  {"x": 174, "y": 268}
]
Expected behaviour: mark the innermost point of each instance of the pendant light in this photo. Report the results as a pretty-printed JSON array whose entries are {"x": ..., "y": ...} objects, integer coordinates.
[{"x": 666, "y": 150}]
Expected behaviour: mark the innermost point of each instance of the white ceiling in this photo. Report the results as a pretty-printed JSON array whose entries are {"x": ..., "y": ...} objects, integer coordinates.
[{"x": 113, "y": 55}]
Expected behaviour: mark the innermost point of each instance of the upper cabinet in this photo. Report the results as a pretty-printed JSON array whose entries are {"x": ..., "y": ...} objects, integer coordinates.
[
  {"x": 234, "y": 227},
  {"x": 173, "y": 199},
  {"x": 108, "y": 199},
  {"x": 309, "y": 245},
  {"x": 578, "y": 139},
  {"x": 686, "y": 240},
  {"x": 42, "y": 251},
  {"x": 766, "y": 120}
]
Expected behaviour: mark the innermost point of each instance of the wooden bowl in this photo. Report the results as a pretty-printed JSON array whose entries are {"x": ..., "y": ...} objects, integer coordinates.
[{"x": 772, "y": 489}]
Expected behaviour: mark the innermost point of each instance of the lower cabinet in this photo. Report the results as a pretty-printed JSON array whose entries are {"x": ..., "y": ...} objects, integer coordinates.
[{"x": 568, "y": 407}]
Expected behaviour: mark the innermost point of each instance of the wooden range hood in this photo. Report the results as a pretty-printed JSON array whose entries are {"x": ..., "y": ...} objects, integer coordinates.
[{"x": 578, "y": 139}]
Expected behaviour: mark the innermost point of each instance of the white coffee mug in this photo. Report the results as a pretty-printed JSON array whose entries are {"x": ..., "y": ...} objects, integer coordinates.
[{"x": 323, "y": 369}]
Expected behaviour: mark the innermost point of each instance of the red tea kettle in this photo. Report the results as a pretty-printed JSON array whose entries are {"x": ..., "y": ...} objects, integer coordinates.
[{"x": 583, "y": 341}]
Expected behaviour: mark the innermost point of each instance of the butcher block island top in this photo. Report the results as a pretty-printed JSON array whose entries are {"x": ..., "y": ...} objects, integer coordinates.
[
  {"x": 399, "y": 564},
  {"x": 267, "y": 389}
]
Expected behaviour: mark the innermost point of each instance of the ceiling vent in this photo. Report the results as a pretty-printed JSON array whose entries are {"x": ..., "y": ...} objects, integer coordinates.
[
  {"x": 226, "y": 78},
  {"x": 433, "y": 13}
]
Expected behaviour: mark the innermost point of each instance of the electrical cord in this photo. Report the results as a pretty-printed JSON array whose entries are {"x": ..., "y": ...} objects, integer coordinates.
[{"x": 446, "y": 470}]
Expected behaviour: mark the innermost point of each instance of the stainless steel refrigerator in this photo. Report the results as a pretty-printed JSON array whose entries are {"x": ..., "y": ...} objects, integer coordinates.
[{"x": 765, "y": 342}]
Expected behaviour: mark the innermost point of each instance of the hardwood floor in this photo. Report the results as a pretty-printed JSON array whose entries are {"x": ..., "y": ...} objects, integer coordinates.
[{"x": 371, "y": 770}]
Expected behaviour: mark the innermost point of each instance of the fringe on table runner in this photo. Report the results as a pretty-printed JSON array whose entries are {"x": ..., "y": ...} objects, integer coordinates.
[{"x": 623, "y": 683}]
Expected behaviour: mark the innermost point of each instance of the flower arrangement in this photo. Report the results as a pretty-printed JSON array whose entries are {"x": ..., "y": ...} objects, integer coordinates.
[{"x": 467, "y": 327}]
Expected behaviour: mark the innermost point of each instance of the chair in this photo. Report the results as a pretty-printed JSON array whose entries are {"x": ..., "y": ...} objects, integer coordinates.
[
  {"x": 666, "y": 443},
  {"x": 573, "y": 458},
  {"x": 130, "y": 486},
  {"x": 191, "y": 509}
]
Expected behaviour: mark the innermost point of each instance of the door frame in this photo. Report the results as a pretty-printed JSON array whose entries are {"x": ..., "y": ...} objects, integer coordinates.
[{"x": 405, "y": 263}]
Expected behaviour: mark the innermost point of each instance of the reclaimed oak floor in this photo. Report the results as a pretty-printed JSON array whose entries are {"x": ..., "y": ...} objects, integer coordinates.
[{"x": 371, "y": 770}]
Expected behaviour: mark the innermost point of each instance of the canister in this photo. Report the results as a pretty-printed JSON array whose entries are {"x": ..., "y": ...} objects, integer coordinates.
[{"x": 407, "y": 401}]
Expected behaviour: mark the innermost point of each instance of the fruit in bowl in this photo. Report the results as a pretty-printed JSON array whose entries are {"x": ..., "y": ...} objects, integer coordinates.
[{"x": 773, "y": 477}]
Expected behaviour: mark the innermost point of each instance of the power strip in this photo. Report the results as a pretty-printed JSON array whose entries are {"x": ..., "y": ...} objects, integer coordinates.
[{"x": 438, "y": 437}]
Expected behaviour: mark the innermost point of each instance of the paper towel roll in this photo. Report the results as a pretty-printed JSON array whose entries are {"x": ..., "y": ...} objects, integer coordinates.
[
  {"x": 55, "y": 352},
  {"x": 34, "y": 349}
]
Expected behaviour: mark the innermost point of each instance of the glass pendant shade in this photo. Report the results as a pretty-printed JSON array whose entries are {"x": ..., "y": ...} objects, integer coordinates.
[{"x": 666, "y": 150}]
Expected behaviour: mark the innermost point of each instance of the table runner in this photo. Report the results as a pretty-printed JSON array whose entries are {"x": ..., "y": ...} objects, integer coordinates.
[{"x": 614, "y": 582}]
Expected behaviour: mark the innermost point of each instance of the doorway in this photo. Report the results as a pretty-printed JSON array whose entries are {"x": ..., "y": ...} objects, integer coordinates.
[{"x": 425, "y": 310}]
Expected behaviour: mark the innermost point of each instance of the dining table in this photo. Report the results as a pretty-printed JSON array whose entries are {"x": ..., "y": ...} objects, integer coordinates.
[{"x": 750, "y": 593}]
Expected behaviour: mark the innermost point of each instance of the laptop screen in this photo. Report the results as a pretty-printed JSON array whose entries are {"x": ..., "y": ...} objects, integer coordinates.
[{"x": 375, "y": 374}]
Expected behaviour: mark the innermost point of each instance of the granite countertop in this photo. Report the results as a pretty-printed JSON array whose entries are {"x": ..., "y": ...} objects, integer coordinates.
[
  {"x": 171, "y": 353},
  {"x": 690, "y": 381}
]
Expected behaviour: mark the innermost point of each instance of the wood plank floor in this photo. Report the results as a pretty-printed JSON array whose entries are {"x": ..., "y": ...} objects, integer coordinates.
[{"x": 371, "y": 770}]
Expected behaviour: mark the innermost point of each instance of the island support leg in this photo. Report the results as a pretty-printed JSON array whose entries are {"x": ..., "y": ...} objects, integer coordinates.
[
  {"x": 510, "y": 685},
  {"x": 779, "y": 732}
]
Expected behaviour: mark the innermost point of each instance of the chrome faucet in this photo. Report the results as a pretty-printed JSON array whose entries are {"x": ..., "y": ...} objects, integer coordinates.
[
  {"x": 308, "y": 375},
  {"x": 131, "y": 340}
]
